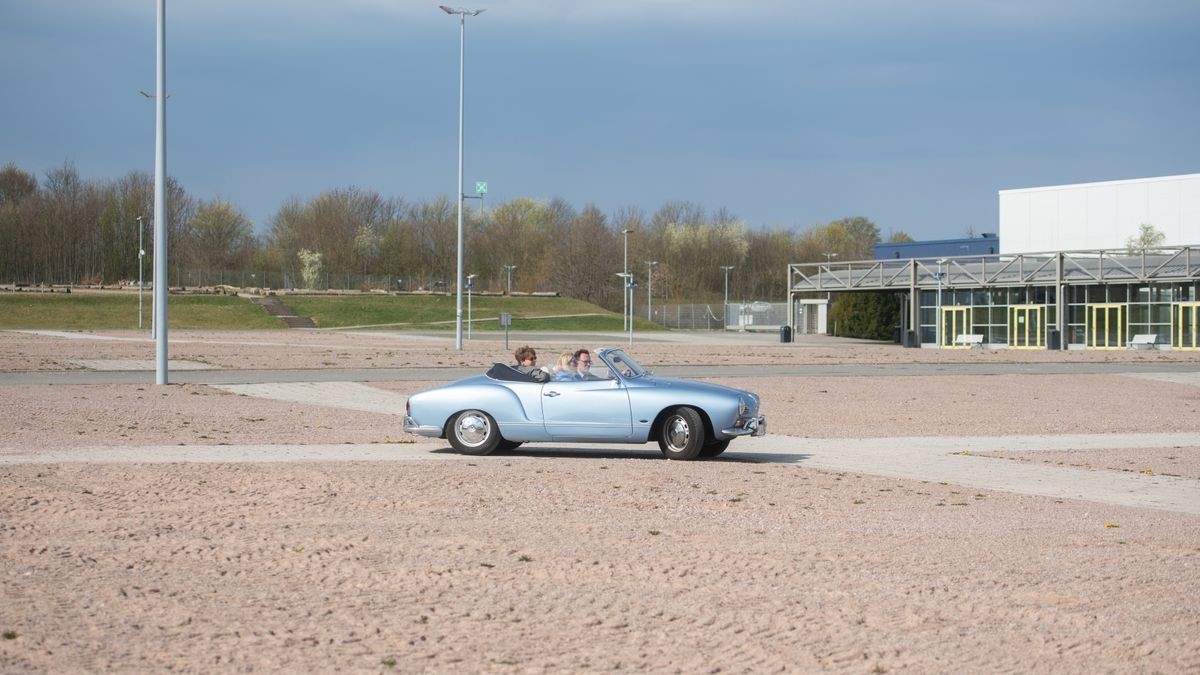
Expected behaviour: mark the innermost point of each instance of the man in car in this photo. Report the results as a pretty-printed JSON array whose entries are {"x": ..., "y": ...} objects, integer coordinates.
[
  {"x": 527, "y": 363},
  {"x": 583, "y": 365}
]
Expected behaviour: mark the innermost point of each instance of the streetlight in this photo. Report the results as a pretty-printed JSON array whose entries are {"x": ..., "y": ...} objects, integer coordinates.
[
  {"x": 160, "y": 194},
  {"x": 625, "y": 270},
  {"x": 725, "y": 314},
  {"x": 141, "y": 258},
  {"x": 828, "y": 261},
  {"x": 937, "y": 326},
  {"x": 631, "y": 285},
  {"x": 650, "y": 288},
  {"x": 626, "y": 290},
  {"x": 510, "y": 268},
  {"x": 462, "y": 36},
  {"x": 470, "y": 283}
]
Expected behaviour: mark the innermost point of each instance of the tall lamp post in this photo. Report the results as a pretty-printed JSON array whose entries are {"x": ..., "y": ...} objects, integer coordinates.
[
  {"x": 509, "y": 269},
  {"x": 470, "y": 283},
  {"x": 626, "y": 289},
  {"x": 626, "y": 310},
  {"x": 160, "y": 195},
  {"x": 725, "y": 312},
  {"x": 938, "y": 324},
  {"x": 650, "y": 288},
  {"x": 632, "y": 286},
  {"x": 141, "y": 258},
  {"x": 462, "y": 36}
]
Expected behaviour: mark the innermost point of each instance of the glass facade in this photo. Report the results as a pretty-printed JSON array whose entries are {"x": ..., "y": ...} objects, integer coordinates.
[{"x": 998, "y": 314}]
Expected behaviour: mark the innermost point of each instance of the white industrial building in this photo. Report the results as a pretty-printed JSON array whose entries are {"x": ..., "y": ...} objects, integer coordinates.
[
  {"x": 1105, "y": 215},
  {"x": 1064, "y": 277}
]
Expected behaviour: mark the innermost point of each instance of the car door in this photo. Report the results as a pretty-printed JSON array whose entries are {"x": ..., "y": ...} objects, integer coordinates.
[{"x": 587, "y": 410}]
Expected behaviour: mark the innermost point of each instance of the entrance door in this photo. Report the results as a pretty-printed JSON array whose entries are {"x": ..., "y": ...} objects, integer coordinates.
[
  {"x": 955, "y": 321},
  {"x": 1026, "y": 326},
  {"x": 1106, "y": 326},
  {"x": 1184, "y": 325}
]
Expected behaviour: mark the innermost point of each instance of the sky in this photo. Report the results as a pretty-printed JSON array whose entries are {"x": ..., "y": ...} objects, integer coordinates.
[{"x": 786, "y": 113}]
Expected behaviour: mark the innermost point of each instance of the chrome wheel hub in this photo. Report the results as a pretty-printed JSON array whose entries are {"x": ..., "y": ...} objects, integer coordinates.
[
  {"x": 472, "y": 429},
  {"x": 677, "y": 433}
]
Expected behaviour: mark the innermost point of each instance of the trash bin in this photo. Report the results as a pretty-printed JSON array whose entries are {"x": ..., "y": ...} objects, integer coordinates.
[
  {"x": 785, "y": 333},
  {"x": 1053, "y": 339},
  {"x": 896, "y": 335},
  {"x": 910, "y": 339}
]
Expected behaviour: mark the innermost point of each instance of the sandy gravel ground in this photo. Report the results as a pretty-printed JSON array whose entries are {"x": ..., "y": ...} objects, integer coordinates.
[{"x": 514, "y": 563}]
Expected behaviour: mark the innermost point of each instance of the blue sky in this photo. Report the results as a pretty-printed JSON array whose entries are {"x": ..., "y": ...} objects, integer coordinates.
[{"x": 788, "y": 114}]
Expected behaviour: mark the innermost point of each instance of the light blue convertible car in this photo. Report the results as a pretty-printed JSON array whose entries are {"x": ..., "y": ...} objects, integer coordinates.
[{"x": 620, "y": 402}]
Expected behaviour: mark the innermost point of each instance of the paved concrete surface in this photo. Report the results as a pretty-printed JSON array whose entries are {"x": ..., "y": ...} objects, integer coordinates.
[
  {"x": 1183, "y": 372},
  {"x": 925, "y": 459},
  {"x": 349, "y": 395},
  {"x": 1175, "y": 377},
  {"x": 137, "y": 364}
]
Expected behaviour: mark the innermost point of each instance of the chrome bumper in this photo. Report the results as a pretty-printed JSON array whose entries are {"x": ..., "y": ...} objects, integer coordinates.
[
  {"x": 755, "y": 426},
  {"x": 411, "y": 427}
]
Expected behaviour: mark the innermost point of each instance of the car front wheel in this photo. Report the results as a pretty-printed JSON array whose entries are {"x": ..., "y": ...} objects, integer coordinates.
[
  {"x": 681, "y": 435},
  {"x": 473, "y": 432}
]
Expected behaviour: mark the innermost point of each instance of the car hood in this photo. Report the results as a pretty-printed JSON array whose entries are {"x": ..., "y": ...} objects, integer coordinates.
[{"x": 693, "y": 385}]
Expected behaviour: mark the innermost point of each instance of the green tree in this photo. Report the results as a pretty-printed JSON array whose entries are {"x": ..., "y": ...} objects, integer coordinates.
[{"x": 867, "y": 315}]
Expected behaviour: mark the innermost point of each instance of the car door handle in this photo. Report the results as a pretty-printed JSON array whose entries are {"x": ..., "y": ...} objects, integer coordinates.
[{"x": 551, "y": 394}]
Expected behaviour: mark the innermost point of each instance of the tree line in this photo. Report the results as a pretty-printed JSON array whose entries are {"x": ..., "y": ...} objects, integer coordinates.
[{"x": 64, "y": 229}]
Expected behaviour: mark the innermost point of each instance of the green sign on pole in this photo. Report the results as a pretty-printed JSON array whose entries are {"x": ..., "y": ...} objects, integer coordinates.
[{"x": 481, "y": 187}]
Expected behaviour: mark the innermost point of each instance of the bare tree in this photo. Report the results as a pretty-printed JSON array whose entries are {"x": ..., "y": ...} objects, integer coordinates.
[
  {"x": 219, "y": 236},
  {"x": 1147, "y": 236}
]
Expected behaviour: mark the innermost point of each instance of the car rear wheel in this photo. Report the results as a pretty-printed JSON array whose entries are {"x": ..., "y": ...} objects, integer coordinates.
[
  {"x": 714, "y": 448},
  {"x": 473, "y": 432},
  {"x": 681, "y": 435}
]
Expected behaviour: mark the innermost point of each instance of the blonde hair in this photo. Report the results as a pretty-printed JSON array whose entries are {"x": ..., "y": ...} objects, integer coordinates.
[{"x": 564, "y": 364}]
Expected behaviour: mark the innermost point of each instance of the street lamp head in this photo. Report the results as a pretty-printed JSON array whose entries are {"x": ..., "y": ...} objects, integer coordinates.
[{"x": 460, "y": 10}]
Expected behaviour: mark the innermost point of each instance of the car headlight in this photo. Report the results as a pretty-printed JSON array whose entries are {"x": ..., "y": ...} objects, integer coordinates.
[{"x": 743, "y": 406}]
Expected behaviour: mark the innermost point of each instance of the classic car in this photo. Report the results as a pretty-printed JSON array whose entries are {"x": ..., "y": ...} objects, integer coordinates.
[{"x": 619, "y": 402}]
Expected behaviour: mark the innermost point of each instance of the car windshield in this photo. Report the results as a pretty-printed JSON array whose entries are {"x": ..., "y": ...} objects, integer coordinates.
[{"x": 624, "y": 364}]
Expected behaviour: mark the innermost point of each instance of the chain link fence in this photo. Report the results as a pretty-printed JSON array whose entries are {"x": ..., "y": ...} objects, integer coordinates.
[{"x": 764, "y": 316}]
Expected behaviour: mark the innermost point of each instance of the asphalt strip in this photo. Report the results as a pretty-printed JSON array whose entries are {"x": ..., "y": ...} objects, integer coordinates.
[{"x": 943, "y": 460}]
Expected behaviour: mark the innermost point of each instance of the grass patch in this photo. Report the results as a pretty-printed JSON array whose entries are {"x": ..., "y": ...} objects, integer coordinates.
[
  {"x": 119, "y": 310},
  {"x": 88, "y": 311},
  {"x": 437, "y": 311}
]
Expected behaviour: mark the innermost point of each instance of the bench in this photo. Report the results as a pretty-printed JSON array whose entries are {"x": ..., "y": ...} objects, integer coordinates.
[
  {"x": 969, "y": 340},
  {"x": 1144, "y": 341}
]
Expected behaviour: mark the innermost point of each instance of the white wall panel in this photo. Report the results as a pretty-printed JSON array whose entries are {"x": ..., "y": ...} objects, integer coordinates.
[
  {"x": 1014, "y": 219},
  {"x": 1162, "y": 209},
  {"x": 1043, "y": 208},
  {"x": 1072, "y": 221},
  {"x": 1189, "y": 210},
  {"x": 1132, "y": 211},
  {"x": 1102, "y": 217}
]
